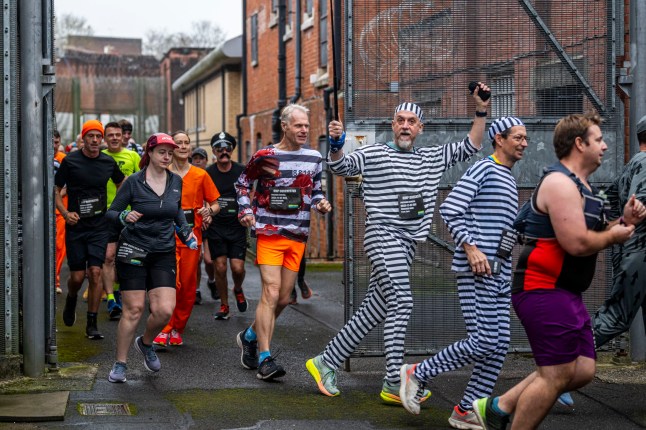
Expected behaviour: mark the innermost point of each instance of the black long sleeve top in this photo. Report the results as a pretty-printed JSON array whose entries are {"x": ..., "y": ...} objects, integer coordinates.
[{"x": 155, "y": 230}]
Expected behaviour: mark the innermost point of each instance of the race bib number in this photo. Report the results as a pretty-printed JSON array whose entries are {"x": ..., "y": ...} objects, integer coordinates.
[
  {"x": 285, "y": 198},
  {"x": 506, "y": 244},
  {"x": 189, "y": 214},
  {"x": 130, "y": 254},
  {"x": 90, "y": 206},
  {"x": 228, "y": 205},
  {"x": 411, "y": 205}
]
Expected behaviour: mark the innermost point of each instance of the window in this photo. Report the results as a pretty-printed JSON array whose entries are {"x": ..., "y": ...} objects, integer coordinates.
[
  {"x": 288, "y": 19},
  {"x": 560, "y": 101},
  {"x": 308, "y": 14},
  {"x": 323, "y": 34},
  {"x": 254, "y": 39},
  {"x": 502, "y": 101},
  {"x": 273, "y": 13}
]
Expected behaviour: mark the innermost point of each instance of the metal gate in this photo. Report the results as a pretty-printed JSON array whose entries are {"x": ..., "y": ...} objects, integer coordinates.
[
  {"x": 543, "y": 59},
  {"x": 436, "y": 320}
]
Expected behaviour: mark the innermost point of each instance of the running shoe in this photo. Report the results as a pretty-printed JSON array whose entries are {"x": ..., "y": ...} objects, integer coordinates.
[
  {"x": 214, "y": 291},
  {"x": 464, "y": 420},
  {"x": 161, "y": 339},
  {"x": 114, "y": 310},
  {"x": 249, "y": 355},
  {"x": 117, "y": 296},
  {"x": 198, "y": 297},
  {"x": 69, "y": 311},
  {"x": 487, "y": 417},
  {"x": 241, "y": 301},
  {"x": 151, "y": 361},
  {"x": 566, "y": 400},
  {"x": 411, "y": 391},
  {"x": 390, "y": 394},
  {"x": 175, "y": 338},
  {"x": 223, "y": 313},
  {"x": 118, "y": 372},
  {"x": 306, "y": 291},
  {"x": 92, "y": 332},
  {"x": 59, "y": 290},
  {"x": 324, "y": 375},
  {"x": 269, "y": 369}
]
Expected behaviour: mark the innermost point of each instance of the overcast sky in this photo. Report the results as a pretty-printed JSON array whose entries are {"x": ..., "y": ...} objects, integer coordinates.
[{"x": 132, "y": 18}]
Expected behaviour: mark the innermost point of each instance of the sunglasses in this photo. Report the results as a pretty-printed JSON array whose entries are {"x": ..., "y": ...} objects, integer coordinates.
[{"x": 224, "y": 148}]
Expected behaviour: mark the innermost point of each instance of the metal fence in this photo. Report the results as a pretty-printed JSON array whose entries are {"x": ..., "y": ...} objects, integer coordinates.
[
  {"x": 436, "y": 320},
  {"x": 543, "y": 59},
  {"x": 108, "y": 88}
]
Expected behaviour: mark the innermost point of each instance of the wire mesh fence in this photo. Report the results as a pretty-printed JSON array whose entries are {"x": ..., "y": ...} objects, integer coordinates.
[{"x": 436, "y": 321}]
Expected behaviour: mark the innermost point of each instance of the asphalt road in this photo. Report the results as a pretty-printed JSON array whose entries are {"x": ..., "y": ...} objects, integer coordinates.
[{"x": 203, "y": 386}]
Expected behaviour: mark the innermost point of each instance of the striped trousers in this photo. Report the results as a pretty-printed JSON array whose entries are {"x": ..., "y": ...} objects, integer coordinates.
[
  {"x": 485, "y": 303},
  {"x": 388, "y": 299}
]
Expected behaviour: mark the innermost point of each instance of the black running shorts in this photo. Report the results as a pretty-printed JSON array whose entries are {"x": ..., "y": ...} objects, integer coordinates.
[
  {"x": 85, "y": 247},
  {"x": 229, "y": 242},
  {"x": 158, "y": 270}
]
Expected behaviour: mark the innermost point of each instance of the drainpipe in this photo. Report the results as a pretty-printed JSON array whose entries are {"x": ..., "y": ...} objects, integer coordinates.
[
  {"x": 244, "y": 79},
  {"x": 297, "y": 62},
  {"x": 282, "y": 78},
  {"x": 329, "y": 116}
]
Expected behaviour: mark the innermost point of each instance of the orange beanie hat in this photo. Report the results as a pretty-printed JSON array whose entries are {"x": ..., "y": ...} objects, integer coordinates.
[{"x": 92, "y": 124}]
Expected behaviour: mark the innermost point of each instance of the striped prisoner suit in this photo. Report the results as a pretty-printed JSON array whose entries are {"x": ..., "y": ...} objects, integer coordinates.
[
  {"x": 482, "y": 204},
  {"x": 390, "y": 240}
]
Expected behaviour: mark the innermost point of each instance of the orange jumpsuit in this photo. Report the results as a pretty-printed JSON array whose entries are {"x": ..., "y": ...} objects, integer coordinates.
[
  {"x": 60, "y": 228},
  {"x": 197, "y": 187}
]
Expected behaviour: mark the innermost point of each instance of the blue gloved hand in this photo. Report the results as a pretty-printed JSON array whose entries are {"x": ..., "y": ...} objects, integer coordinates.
[{"x": 336, "y": 145}]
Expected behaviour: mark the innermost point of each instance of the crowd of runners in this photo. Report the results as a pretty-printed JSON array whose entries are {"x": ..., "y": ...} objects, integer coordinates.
[{"x": 140, "y": 221}]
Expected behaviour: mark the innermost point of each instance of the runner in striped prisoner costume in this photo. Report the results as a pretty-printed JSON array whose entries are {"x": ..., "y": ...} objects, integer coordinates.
[
  {"x": 400, "y": 186},
  {"x": 479, "y": 212}
]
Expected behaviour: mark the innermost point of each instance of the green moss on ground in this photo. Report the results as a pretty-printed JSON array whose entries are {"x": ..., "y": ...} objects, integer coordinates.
[{"x": 245, "y": 407}]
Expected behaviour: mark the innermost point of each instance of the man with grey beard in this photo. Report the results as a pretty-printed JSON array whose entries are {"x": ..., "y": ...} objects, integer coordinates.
[{"x": 399, "y": 184}]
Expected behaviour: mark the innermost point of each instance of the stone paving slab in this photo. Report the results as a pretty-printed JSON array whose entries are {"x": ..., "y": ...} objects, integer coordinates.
[{"x": 33, "y": 407}]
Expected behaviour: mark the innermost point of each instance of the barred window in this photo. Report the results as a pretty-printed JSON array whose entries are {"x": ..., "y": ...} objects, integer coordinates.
[{"x": 502, "y": 99}]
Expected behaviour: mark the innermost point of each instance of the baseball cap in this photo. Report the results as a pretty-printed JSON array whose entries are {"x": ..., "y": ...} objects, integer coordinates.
[
  {"x": 199, "y": 151},
  {"x": 160, "y": 139},
  {"x": 90, "y": 125},
  {"x": 223, "y": 139}
]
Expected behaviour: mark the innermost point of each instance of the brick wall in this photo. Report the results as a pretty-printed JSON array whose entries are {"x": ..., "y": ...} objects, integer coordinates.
[
  {"x": 262, "y": 97},
  {"x": 175, "y": 63}
]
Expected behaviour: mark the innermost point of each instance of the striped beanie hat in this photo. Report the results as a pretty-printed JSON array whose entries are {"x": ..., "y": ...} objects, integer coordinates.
[
  {"x": 411, "y": 107},
  {"x": 502, "y": 124}
]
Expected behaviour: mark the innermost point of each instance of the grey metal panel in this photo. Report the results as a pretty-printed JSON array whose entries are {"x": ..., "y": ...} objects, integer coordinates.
[{"x": 9, "y": 299}]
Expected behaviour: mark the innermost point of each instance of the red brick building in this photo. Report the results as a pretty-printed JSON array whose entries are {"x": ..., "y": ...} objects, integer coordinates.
[
  {"x": 306, "y": 82},
  {"x": 175, "y": 63}
]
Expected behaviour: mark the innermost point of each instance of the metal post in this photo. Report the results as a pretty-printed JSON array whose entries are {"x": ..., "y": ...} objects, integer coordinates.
[
  {"x": 34, "y": 202},
  {"x": 637, "y": 110}
]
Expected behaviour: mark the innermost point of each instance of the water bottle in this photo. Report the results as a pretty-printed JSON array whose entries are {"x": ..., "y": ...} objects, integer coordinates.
[{"x": 191, "y": 242}]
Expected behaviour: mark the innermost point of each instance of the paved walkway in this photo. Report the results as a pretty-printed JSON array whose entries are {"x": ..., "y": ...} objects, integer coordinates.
[{"x": 203, "y": 386}]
